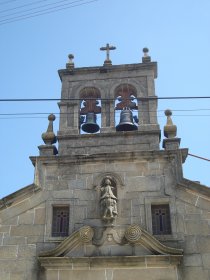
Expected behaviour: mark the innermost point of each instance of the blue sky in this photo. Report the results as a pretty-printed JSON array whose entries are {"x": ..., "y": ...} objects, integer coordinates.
[{"x": 32, "y": 50}]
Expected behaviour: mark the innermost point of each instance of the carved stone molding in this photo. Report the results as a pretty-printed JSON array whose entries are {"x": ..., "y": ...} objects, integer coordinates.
[
  {"x": 122, "y": 262},
  {"x": 83, "y": 235},
  {"x": 133, "y": 235},
  {"x": 136, "y": 235},
  {"x": 86, "y": 234},
  {"x": 109, "y": 234}
]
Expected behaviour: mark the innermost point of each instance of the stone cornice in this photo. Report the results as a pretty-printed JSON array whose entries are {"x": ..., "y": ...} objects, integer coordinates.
[
  {"x": 196, "y": 187},
  {"x": 21, "y": 204},
  {"x": 193, "y": 193},
  {"x": 66, "y": 159},
  {"x": 18, "y": 196},
  {"x": 152, "y": 66},
  {"x": 89, "y": 263},
  {"x": 149, "y": 129}
]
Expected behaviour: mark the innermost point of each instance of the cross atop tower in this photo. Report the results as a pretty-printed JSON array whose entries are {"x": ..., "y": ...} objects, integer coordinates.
[{"x": 108, "y": 48}]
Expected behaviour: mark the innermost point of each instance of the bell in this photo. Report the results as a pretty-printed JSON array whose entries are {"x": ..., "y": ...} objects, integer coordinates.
[
  {"x": 126, "y": 121},
  {"x": 90, "y": 125}
]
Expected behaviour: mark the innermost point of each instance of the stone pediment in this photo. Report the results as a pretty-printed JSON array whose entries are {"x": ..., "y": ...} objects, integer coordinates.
[
  {"x": 124, "y": 262},
  {"x": 93, "y": 242}
]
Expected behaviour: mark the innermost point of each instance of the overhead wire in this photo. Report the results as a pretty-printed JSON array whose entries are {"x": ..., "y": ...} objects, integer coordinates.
[
  {"x": 102, "y": 99},
  {"x": 116, "y": 111},
  {"x": 22, "y": 6},
  {"x": 27, "y": 114},
  {"x": 35, "y": 8},
  {"x": 30, "y": 116},
  {"x": 6, "y": 2},
  {"x": 44, "y": 114},
  {"x": 199, "y": 157},
  {"x": 46, "y": 11}
]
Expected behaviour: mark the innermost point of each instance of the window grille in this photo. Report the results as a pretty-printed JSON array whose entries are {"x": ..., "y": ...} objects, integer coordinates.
[
  {"x": 161, "y": 222},
  {"x": 60, "y": 222}
]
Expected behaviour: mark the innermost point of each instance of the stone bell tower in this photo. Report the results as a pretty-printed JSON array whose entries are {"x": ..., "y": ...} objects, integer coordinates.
[
  {"x": 105, "y": 93},
  {"x": 107, "y": 202},
  {"x": 106, "y": 175}
]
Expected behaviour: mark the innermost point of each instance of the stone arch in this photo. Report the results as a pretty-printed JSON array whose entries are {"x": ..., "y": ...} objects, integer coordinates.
[
  {"x": 90, "y": 107},
  {"x": 137, "y": 86},
  {"x": 128, "y": 86},
  {"x": 89, "y": 91},
  {"x": 137, "y": 106},
  {"x": 79, "y": 88},
  {"x": 117, "y": 180},
  {"x": 125, "y": 91}
]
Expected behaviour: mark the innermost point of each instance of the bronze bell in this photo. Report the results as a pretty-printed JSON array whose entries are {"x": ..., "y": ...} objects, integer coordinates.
[
  {"x": 126, "y": 121},
  {"x": 90, "y": 125}
]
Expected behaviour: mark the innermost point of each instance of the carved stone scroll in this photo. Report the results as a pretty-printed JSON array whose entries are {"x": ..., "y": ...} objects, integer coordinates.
[
  {"x": 86, "y": 234},
  {"x": 133, "y": 233}
]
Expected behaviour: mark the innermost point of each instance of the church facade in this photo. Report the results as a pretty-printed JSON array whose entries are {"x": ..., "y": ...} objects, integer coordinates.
[{"x": 107, "y": 202}]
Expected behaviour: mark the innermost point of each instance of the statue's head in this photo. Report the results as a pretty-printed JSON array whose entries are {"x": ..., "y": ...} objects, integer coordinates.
[{"x": 107, "y": 181}]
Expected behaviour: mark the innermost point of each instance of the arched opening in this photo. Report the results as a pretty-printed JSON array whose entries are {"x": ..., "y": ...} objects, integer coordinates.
[
  {"x": 90, "y": 110},
  {"x": 126, "y": 108}
]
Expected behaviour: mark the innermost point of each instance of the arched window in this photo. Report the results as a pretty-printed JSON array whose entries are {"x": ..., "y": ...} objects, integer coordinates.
[{"x": 90, "y": 110}]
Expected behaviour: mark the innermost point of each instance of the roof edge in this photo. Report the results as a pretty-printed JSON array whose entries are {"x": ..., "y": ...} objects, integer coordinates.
[
  {"x": 195, "y": 187},
  {"x": 24, "y": 192}
]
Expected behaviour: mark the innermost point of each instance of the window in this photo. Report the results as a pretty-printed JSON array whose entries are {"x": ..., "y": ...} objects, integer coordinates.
[
  {"x": 161, "y": 222},
  {"x": 60, "y": 221}
]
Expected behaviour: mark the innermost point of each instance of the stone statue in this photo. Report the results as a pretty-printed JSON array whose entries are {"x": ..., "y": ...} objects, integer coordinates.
[{"x": 108, "y": 201}]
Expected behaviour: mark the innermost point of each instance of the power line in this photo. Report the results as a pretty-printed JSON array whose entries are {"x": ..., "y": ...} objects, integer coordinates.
[
  {"x": 116, "y": 111},
  {"x": 19, "y": 7},
  {"x": 102, "y": 99},
  {"x": 44, "y": 115},
  {"x": 34, "y": 8},
  {"x": 40, "y": 13},
  {"x": 198, "y": 157},
  {"x": 42, "y": 10},
  {"x": 6, "y": 2}
]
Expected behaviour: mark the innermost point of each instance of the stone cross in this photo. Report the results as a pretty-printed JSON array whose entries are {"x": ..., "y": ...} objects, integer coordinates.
[{"x": 108, "y": 48}]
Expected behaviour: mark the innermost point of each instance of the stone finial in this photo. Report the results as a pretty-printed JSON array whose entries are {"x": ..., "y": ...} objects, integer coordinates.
[
  {"x": 146, "y": 58},
  {"x": 169, "y": 129},
  {"x": 49, "y": 137},
  {"x": 70, "y": 63}
]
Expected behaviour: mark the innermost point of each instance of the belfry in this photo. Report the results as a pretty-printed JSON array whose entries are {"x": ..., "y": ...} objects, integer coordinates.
[{"x": 109, "y": 200}]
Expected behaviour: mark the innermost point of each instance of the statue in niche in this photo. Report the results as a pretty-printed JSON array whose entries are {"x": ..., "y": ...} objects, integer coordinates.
[{"x": 108, "y": 201}]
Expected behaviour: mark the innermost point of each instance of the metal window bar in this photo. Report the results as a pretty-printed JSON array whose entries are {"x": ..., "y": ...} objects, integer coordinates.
[
  {"x": 161, "y": 222},
  {"x": 60, "y": 221}
]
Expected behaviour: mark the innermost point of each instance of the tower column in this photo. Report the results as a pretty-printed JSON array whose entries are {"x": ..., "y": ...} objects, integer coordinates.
[
  {"x": 69, "y": 117},
  {"x": 107, "y": 116}
]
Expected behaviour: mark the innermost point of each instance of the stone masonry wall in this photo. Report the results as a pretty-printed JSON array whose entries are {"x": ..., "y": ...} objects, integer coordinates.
[
  {"x": 19, "y": 238},
  {"x": 25, "y": 226},
  {"x": 193, "y": 217}
]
